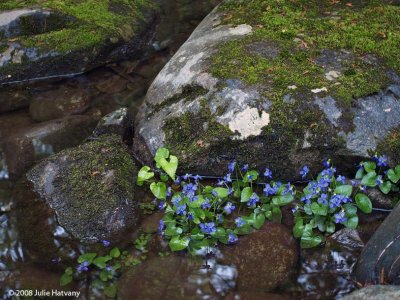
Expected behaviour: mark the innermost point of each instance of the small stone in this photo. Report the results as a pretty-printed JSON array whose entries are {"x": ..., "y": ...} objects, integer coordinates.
[
  {"x": 316, "y": 91},
  {"x": 332, "y": 75},
  {"x": 292, "y": 87}
]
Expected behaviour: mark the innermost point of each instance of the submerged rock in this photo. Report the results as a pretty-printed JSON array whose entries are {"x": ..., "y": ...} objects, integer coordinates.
[
  {"x": 379, "y": 261},
  {"x": 270, "y": 92},
  {"x": 63, "y": 38},
  {"x": 264, "y": 259},
  {"x": 375, "y": 292},
  {"x": 90, "y": 188}
]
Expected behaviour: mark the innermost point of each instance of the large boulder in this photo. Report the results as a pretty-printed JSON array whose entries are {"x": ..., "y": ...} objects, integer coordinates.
[
  {"x": 379, "y": 261},
  {"x": 47, "y": 38},
  {"x": 375, "y": 292},
  {"x": 279, "y": 84},
  {"x": 90, "y": 188}
]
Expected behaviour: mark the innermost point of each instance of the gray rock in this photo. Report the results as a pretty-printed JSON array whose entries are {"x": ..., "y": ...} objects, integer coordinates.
[
  {"x": 379, "y": 260},
  {"x": 89, "y": 188},
  {"x": 208, "y": 121},
  {"x": 13, "y": 99},
  {"x": 119, "y": 122},
  {"x": 375, "y": 292}
]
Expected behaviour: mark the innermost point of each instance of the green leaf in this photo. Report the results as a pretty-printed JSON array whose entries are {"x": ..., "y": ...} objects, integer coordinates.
[
  {"x": 276, "y": 214},
  {"x": 69, "y": 271},
  {"x": 350, "y": 209},
  {"x": 360, "y": 173},
  {"x": 221, "y": 192},
  {"x": 369, "y": 166},
  {"x": 282, "y": 200},
  {"x": 115, "y": 252},
  {"x": 177, "y": 243},
  {"x": 345, "y": 190},
  {"x": 386, "y": 187},
  {"x": 220, "y": 233},
  {"x": 87, "y": 257},
  {"x": 144, "y": 175},
  {"x": 170, "y": 166},
  {"x": 310, "y": 241},
  {"x": 298, "y": 228},
  {"x": 101, "y": 261},
  {"x": 352, "y": 222},
  {"x": 245, "y": 229},
  {"x": 172, "y": 230},
  {"x": 246, "y": 194},
  {"x": 103, "y": 275},
  {"x": 253, "y": 174},
  {"x": 369, "y": 179},
  {"x": 393, "y": 176},
  {"x": 364, "y": 203},
  {"x": 159, "y": 190},
  {"x": 258, "y": 221},
  {"x": 319, "y": 209},
  {"x": 111, "y": 290},
  {"x": 330, "y": 227},
  {"x": 65, "y": 279},
  {"x": 161, "y": 153}
]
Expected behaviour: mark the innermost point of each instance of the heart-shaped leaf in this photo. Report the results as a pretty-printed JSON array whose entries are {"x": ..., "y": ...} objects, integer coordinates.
[
  {"x": 363, "y": 203},
  {"x": 159, "y": 190}
]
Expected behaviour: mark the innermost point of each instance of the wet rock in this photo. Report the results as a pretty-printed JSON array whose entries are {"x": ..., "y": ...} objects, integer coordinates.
[
  {"x": 347, "y": 237},
  {"x": 29, "y": 144},
  {"x": 208, "y": 117},
  {"x": 49, "y": 40},
  {"x": 112, "y": 85},
  {"x": 58, "y": 103},
  {"x": 264, "y": 259},
  {"x": 379, "y": 200},
  {"x": 119, "y": 122},
  {"x": 90, "y": 188},
  {"x": 380, "y": 259},
  {"x": 13, "y": 99},
  {"x": 174, "y": 278},
  {"x": 375, "y": 292}
]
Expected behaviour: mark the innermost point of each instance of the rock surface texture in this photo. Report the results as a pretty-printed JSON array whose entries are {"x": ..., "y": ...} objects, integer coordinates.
[
  {"x": 375, "y": 292},
  {"x": 90, "y": 188},
  {"x": 257, "y": 81},
  {"x": 52, "y": 38},
  {"x": 380, "y": 259}
]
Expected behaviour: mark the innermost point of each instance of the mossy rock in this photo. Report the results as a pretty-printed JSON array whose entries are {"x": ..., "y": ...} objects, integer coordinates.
[
  {"x": 279, "y": 84},
  {"x": 41, "y": 38},
  {"x": 90, "y": 188}
]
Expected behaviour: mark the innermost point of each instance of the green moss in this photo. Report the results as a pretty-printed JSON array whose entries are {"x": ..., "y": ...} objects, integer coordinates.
[
  {"x": 301, "y": 29},
  {"x": 391, "y": 145},
  {"x": 96, "y": 20},
  {"x": 87, "y": 180}
]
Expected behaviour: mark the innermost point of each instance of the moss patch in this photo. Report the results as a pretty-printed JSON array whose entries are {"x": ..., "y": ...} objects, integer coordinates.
[
  {"x": 391, "y": 145},
  {"x": 301, "y": 29},
  {"x": 102, "y": 170},
  {"x": 96, "y": 20}
]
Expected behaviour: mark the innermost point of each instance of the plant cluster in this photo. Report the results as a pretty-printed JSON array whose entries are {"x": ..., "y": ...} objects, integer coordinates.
[{"x": 198, "y": 215}]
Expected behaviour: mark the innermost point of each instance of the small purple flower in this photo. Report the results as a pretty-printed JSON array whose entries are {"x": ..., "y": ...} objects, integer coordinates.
[
  {"x": 176, "y": 200},
  {"x": 381, "y": 161},
  {"x": 253, "y": 200},
  {"x": 83, "y": 267},
  {"x": 181, "y": 209},
  {"x": 306, "y": 199},
  {"x": 109, "y": 268},
  {"x": 340, "y": 217},
  {"x": 187, "y": 176},
  {"x": 232, "y": 238},
  {"x": 363, "y": 188},
  {"x": 220, "y": 182},
  {"x": 231, "y": 166},
  {"x": 245, "y": 168},
  {"x": 206, "y": 204},
  {"x": 161, "y": 206},
  {"x": 197, "y": 178},
  {"x": 240, "y": 222},
  {"x": 270, "y": 190},
  {"x": 294, "y": 209},
  {"x": 327, "y": 163},
  {"x": 229, "y": 208},
  {"x": 379, "y": 180},
  {"x": 190, "y": 217},
  {"x": 304, "y": 171},
  {"x": 341, "y": 179},
  {"x": 220, "y": 219},
  {"x": 323, "y": 199},
  {"x": 214, "y": 193},
  {"x": 105, "y": 243},
  {"x": 268, "y": 173},
  {"x": 228, "y": 178},
  {"x": 177, "y": 180},
  {"x": 208, "y": 228},
  {"x": 169, "y": 192},
  {"x": 289, "y": 189},
  {"x": 161, "y": 225}
]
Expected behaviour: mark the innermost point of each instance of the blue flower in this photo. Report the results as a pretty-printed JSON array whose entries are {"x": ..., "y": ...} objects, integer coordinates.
[
  {"x": 289, "y": 189},
  {"x": 340, "y": 217},
  {"x": 220, "y": 219},
  {"x": 83, "y": 267},
  {"x": 109, "y": 268},
  {"x": 190, "y": 217},
  {"x": 181, "y": 209},
  {"x": 253, "y": 200},
  {"x": 379, "y": 180},
  {"x": 381, "y": 160},
  {"x": 232, "y": 238},
  {"x": 245, "y": 168},
  {"x": 268, "y": 173},
  {"x": 206, "y": 204},
  {"x": 323, "y": 199},
  {"x": 161, "y": 227},
  {"x": 304, "y": 171},
  {"x": 220, "y": 182},
  {"x": 341, "y": 179},
  {"x": 105, "y": 243},
  {"x": 294, "y": 209},
  {"x": 227, "y": 178},
  {"x": 337, "y": 200},
  {"x": 161, "y": 205},
  {"x": 229, "y": 208},
  {"x": 197, "y": 178},
  {"x": 169, "y": 192},
  {"x": 186, "y": 176},
  {"x": 231, "y": 166},
  {"x": 208, "y": 228},
  {"x": 306, "y": 199},
  {"x": 177, "y": 180},
  {"x": 363, "y": 188},
  {"x": 270, "y": 190},
  {"x": 240, "y": 222},
  {"x": 214, "y": 193},
  {"x": 176, "y": 200},
  {"x": 327, "y": 163}
]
